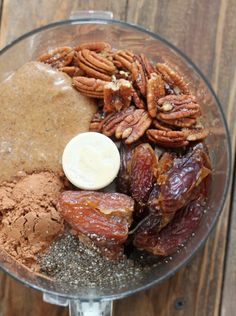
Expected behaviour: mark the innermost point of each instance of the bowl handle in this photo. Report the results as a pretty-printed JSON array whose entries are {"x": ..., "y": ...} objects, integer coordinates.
[
  {"x": 90, "y": 308},
  {"x": 97, "y": 14},
  {"x": 81, "y": 307}
]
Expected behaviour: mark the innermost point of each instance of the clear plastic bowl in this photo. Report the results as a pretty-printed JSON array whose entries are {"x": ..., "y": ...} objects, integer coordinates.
[{"x": 123, "y": 35}]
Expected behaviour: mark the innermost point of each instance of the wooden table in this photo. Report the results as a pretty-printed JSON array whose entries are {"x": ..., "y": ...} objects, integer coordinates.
[{"x": 206, "y": 32}]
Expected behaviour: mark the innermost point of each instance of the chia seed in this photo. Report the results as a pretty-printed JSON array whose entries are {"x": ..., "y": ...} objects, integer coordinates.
[{"x": 70, "y": 261}]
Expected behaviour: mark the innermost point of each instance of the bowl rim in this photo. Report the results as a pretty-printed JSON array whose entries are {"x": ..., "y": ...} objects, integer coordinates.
[{"x": 229, "y": 152}]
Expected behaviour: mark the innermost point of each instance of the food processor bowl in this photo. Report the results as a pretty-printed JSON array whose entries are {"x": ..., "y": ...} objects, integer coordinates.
[{"x": 121, "y": 35}]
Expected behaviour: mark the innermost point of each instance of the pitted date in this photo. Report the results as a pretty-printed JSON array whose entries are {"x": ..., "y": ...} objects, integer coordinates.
[
  {"x": 144, "y": 235},
  {"x": 143, "y": 171},
  {"x": 176, "y": 233},
  {"x": 179, "y": 185},
  {"x": 137, "y": 172},
  {"x": 123, "y": 181},
  {"x": 166, "y": 161},
  {"x": 103, "y": 217}
]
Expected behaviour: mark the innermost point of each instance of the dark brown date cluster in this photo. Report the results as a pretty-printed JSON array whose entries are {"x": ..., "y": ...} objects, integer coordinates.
[{"x": 169, "y": 194}]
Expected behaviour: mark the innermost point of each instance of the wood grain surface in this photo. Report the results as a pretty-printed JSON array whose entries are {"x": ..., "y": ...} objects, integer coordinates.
[{"x": 206, "y": 32}]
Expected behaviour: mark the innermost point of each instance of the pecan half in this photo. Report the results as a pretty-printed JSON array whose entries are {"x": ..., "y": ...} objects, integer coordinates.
[
  {"x": 72, "y": 71},
  {"x": 178, "y": 110},
  {"x": 169, "y": 139},
  {"x": 59, "y": 57},
  {"x": 174, "y": 139},
  {"x": 95, "y": 65},
  {"x": 195, "y": 134},
  {"x": 172, "y": 78},
  {"x": 138, "y": 75},
  {"x": 121, "y": 74},
  {"x": 147, "y": 65},
  {"x": 181, "y": 122},
  {"x": 114, "y": 119},
  {"x": 98, "y": 120},
  {"x": 155, "y": 91},
  {"x": 138, "y": 100},
  {"x": 124, "y": 58},
  {"x": 133, "y": 126},
  {"x": 94, "y": 46},
  {"x": 117, "y": 95},
  {"x": 90, "y": 87},
  {"x": 161, "y": 126}
]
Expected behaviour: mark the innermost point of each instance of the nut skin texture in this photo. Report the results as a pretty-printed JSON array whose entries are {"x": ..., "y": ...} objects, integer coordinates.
[
  {"x": 196, "y": 134},
  {"x": 161, "y": 126},
  {"x": 174, "y": 107},
  {"x": 72, "y": 71},
  {"x": 143, "y": 170},
  {"x": 133, "y": 126},
  {"x": 155, "y": 91},
  {"x": 95, "y": 65},
  {"x": 59, "y": 57},
  {"x": 125, "y": 59},
  {"x": 166, "y": 138},
  {"x": 102, "y": 217},
  {"x": 147, "y": 65},
  {"x": 114, "y": 119},
  {"x": 185, "y": 122},
  {"x": 94, "y": 46},
  {"x": 138, "y": 75},
  {"x": 172, "y": 78},
  {"x": 98, "y": 61},
  {"x": 117, "y": 95},
  {"x": 98, "y": 121},
  {"x": 138, "y": 100},
  {"x": 90, "y": 87}
]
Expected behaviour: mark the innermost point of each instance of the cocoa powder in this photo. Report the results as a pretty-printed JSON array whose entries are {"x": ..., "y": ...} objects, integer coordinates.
[{"x": 30, "y": 220}]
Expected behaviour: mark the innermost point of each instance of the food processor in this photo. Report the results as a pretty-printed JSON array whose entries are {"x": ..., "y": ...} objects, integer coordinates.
[{"x": 100, "y": 26}]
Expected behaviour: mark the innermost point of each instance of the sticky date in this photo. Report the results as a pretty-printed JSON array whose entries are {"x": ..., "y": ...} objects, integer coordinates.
[
  {"x": 137, "y": 172},
  {"x": 178, "y": 186},
  {"x": 142, "y": 173},
  {"x": 176, "y": 233},
  {"x": 123, "y": 181},
  {"x": 103, "y": 217}
]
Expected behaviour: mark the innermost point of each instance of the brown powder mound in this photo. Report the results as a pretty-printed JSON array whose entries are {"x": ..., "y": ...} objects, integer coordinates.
[
  {"x": 29, "y": 218},
  {"x": 40, "y": 112}
]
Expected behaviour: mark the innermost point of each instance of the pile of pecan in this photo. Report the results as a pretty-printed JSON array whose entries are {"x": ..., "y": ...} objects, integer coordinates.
[{"x": 137, "y": 98}]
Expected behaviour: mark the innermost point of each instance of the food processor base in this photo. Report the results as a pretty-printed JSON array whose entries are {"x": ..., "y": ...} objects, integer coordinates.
[{"x": 81, "y": 308}]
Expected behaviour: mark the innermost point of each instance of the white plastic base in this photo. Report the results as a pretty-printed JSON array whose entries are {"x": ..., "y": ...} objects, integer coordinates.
[{"x": 81, "y": 308}]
